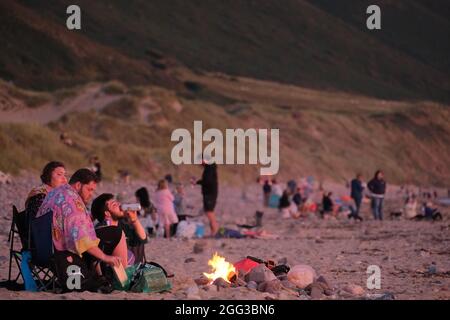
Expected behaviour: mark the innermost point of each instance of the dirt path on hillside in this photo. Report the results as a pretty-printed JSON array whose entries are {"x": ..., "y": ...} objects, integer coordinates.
[{"x": 90, "y": 98}]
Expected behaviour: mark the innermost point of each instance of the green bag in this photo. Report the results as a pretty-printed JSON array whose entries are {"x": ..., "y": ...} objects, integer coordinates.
[
  {"x": 130, "y": 271},
  {"x": 144, "y": 277},
  {"x": 149, "y": 278}
]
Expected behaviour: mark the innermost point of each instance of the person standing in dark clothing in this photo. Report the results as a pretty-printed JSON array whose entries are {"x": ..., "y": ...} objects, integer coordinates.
[
  {"x": 210, "y": 186},
  {"x": 297, "y": 198},
  {"x": 327, "y": 204},
  {"x": 285, "y": 205},
  {"x": 267, "y": 189},
  {"x": 356, "y": 194},
  {"x": 377, "y": 187},
  {"x": 292, "y": 186},
  {"x": 284, "y": 201}
]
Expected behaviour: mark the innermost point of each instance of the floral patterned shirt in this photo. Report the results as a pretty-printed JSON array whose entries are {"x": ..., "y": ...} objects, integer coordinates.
[{"x": 72, "y": 229}]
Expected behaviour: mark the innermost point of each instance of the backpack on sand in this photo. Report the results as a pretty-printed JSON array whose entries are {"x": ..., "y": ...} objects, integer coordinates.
[{"x": 146, "y": 278}]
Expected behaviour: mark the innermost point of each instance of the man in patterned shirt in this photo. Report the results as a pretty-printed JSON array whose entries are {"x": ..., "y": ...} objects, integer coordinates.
[{"x": 73, "y": 234}]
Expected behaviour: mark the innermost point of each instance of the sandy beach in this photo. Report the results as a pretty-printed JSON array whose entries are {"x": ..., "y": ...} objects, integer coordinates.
[
  {"x": 339, "y": 250},
  {"x": 318, "y": 96}
]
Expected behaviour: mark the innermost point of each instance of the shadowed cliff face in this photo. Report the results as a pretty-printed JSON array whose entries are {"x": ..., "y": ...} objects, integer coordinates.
[
  {"x": 345, "y": 99},
  {"x": 316, "y": 44}
]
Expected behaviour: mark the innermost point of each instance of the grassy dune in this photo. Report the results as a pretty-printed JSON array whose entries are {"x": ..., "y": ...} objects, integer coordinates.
[{"x": 327, "y": 134}]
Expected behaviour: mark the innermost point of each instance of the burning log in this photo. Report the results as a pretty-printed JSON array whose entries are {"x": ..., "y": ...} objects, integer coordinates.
[
  {"x": 221, "y": 283},
  {"x": 202, "y": 281},
  {"x": 220, "y": 269}
]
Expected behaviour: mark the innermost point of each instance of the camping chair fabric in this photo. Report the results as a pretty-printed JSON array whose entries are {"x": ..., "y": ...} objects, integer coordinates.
[
  {"x": 43, "y": 274},
  {"x": 31, "y": 209},
  {"x": 41, "y": 233}
]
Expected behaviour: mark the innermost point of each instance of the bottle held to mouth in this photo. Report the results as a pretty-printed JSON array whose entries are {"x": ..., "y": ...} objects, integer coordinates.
[{"x": 130, "y": 207}]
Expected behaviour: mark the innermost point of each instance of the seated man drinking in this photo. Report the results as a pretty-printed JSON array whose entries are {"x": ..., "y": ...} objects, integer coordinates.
[
  {"x": 73, "y": 232},
  {"x": 119, "y": 230}
]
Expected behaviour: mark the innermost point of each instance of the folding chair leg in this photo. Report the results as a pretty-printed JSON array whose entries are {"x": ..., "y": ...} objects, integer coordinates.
[
  {"x": 10, "y": 265},
  {"x": 13, "y": 254},
  {"x": 18, "y": 261},
  {"x": 44, "y": 277}
]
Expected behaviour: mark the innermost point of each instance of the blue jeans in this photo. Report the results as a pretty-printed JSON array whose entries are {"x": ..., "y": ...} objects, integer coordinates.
[
  {"x": 377, "y": 208},
  {"x": 358, "y": 204}
]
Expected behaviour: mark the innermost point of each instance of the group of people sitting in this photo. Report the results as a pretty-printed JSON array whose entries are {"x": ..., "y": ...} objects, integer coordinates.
[
  {"x": 293, "y": 201},
  {"x": 428, "y": 210},
  {"x": 94, "y": 240},
  {"x": 108, "y": 235}
]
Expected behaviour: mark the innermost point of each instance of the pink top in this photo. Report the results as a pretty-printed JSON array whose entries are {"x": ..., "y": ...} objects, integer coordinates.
[{"x": 164, "y": 201}]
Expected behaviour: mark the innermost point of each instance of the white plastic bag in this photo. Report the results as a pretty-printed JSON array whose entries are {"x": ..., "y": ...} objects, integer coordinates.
[{"x": 186, "y": 229}]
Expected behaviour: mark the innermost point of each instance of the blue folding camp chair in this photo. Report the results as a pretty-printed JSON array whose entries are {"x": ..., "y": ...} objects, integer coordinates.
[{"x": 34, "y": 260}]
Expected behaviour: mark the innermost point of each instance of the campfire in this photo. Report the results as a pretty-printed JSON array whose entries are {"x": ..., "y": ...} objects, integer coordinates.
[{"x": 220, "y": 269}]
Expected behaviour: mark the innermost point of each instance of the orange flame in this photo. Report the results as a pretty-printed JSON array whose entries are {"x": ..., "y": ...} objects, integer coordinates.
[{"x": 220, "y": 269}]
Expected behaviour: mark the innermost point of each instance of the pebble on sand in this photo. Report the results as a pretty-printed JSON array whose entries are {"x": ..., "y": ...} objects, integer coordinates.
[
  {"x": 381, "y": 296},
  {"x": 192, "y": 293},
  {"x": 198, "y": 247},
  {"x": 353, "y": 289},
  {"x": 252, "y": 285},
  {"x": 260, "y": 274},
  {"x": 302, "y": 275},
  {"x": 316, "y": 290},
  {"x": 289, "y": 285},
  {"x": 273, "y": 286},
  {"x": 202, "y": 281}
]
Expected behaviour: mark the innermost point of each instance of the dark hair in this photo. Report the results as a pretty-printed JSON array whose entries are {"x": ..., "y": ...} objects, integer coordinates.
[
  {"x": 84, "y": 176},
  {"x": 99, "y": 207},
  {"x": 376, "y": 173},
  {"x": 169, "y": 178},
  {"x": 162, "y": 184},
  {"x": 142, "y": 195},
  {"x": 46, "y": 176}
]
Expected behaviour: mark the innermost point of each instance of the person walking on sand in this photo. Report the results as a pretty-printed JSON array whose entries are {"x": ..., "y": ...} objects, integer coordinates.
[
  {"x": 356, "y": 194},
  {"x": 377, "y": 187},
  {"x": 209, "y": 183}
]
